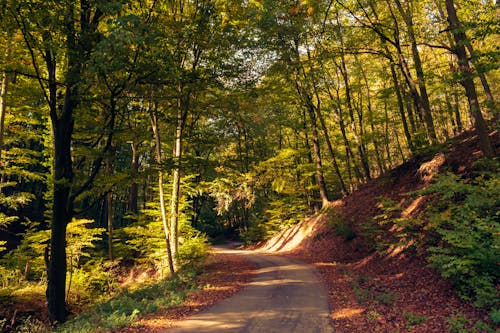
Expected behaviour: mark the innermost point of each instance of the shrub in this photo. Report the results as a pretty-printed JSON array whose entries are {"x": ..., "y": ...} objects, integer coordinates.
[
  {"x": 466, "y": 217},
  {"x": 340, "y": 227}
]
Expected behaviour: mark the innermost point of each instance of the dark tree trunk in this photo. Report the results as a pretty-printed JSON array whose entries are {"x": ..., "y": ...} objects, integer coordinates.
[
  {"x": 317, "y": 159},
  {"x": 133, "y": 193},
  {"x": 62, "y": 211},
  {"x": 467, "y": 80}
]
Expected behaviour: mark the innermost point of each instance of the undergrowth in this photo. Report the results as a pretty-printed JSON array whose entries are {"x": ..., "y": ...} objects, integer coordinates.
[
  {"x": 124, "y": 308},
  {"x": 460, "y": 230}
]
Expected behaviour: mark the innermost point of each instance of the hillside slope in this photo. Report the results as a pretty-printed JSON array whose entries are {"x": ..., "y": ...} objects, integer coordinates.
[{"x": 392, "y": 289}]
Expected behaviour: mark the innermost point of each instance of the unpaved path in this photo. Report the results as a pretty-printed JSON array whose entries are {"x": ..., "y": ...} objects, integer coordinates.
[{"x": 286, "y": 296}]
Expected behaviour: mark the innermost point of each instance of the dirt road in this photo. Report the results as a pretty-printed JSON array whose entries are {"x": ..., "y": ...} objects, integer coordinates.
[{"x": 286, "y": 296}]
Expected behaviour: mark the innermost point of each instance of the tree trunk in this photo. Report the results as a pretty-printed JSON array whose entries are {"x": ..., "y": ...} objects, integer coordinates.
[
  {"x": 380, "y": 165},
  {"x": 482, "y": 77},
  {"x": 314, "y": 196},
  {"x": 361, "y": 151},
  {"x": 317, "y": 159},
  {"x": 332, "y": 152},
  {"x": 176, "y": 177},
  {"x": 166, "y": 230},
  {"x": 467, "y": 80},
  {"x": 132, "y": 204},
  {"x": 401, "y": 108},
  {"x": 3, "y": 107},
  {"x": 311, "y": 109},
  {"x": 62, "y": 209},
  {"x": 324, "y": 127},
  {"x": 407, "y": 15},
  {"x": 109, "y": 214},
  {"x": 3, "y": 114}
]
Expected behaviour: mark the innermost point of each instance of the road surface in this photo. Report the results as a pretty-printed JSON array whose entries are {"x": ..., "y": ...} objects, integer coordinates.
[{"x": 285, "y": 297}]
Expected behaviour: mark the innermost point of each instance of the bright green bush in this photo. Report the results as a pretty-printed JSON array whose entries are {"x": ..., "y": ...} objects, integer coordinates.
[
  {"x": 124, "y": 308},
  {"x": 193, "y": 248},
  {"x": 466, "y": 218}
]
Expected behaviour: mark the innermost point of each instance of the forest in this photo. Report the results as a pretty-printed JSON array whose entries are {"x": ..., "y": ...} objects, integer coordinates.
[{"x": 133, "y": 134}]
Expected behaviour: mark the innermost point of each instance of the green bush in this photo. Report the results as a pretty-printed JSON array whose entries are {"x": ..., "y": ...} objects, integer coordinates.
[
  {"x": 339, "y": 226},
  {"x": 466, "y": 219},
  {"x": 124, "y": 308},
  {"x": 193, "y": 249}
]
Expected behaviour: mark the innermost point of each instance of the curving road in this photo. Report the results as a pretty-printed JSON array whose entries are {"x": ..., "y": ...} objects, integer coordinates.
[{"x": 285, "y": 297}]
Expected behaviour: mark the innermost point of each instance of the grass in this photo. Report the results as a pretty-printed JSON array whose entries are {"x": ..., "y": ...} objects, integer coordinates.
[
  {"x": 124, "y": 308},
  {"x": 414, "y": 319}
]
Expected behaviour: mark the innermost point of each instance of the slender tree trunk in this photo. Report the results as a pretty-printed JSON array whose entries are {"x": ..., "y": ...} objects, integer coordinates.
[
  {"x": 166, "y": 229},
  {"x": 332, "y": 153},
  {"x": 109, "y": 214},
  {"x": 3, "y": 106},
  {"x": 387, "y": 141},
  {"x": 3, "y": 114},
  {"x": 491, "y": 103},
  {"x": 401, "y": 108},
  {"x": 407, "y": 15},
  {"x": 132, "y": 204},
  {"x": 174, "y": 203},
  {"x": 176, "y": 177},
  {"x": 420, "y": 104},
  {"x": 318, "y": 160},
  {"x": 467, "y": 80},
  {"x": 380, "y": 165},
  {"x": 361, "y": 151},
  {"x": 315, "y": 196},
  {"x": 486, "y": 87},
  {"x": 456, "y": 110}
]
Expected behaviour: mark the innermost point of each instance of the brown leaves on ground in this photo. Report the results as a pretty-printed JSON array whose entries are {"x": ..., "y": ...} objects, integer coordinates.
[{"x": 224, "y": 275}]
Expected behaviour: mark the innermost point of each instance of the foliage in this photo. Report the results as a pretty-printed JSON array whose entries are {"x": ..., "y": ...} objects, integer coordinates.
[
  {"x": 405, "y": 231},
  {"x": 193, "y": 248},
  {"x": 460, "y": 324},
  {"x": 414, "y": 319},
  {"x": 466, "y": 218},
  {"x": 93, "y": 281},
  {"x": 124, "y": 308},
  {"x": 81, "y": 241},
  {"x": 31, "y": 325},
  {"x": 340, "y": 227}
]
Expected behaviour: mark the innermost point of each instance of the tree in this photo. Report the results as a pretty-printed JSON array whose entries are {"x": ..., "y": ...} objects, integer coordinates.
[
  {"x": 466, "y": 79},
  {"x": 60, "y": 39}
]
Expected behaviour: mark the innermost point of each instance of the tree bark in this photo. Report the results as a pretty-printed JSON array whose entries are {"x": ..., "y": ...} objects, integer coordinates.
[
  {"x": 467, "y": 79},
  {"x": 407, "y": 15},
  {"x": 166, "y": 229},
  {"x": 176, "y": 185},
  {"x": 132, "y": 204},
  {"x": 109, "y": 214},
  {"x": 3, "y": 106}
]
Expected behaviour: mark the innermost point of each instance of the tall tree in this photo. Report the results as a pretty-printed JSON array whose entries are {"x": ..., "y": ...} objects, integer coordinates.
[
  {"x": 466, "y": 79},
  {"x": 61, "y": 47}
]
